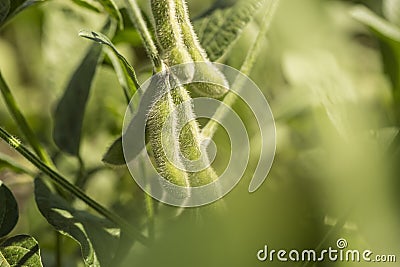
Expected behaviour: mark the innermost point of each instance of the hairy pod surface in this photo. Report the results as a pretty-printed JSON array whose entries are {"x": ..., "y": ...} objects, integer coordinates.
[
  {"x": 180, "y": 45},
  {"x": 190, "y": 140},
  {"x": 169, "y": 35},
  {"x": 157, "y": 120}
]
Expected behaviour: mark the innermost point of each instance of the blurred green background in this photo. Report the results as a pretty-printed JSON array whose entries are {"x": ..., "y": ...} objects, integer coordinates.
[{"x": 336, "y": 114}]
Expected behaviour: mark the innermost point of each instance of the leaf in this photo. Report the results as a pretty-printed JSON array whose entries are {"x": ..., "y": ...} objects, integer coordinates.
[
  {"x": 112, "y": 9},
  {"x": 8, "y": 210},
  {"x": 391, "y": 10},
  {"x": 68, "y": 117},
  {"x": 376, "y": 23},
  {"x": 9, "y": 9},
  {"x": 389, "y": 35},
  {"x": 125, "y": 72},
  {"x": 97, "y": 237},
  {"x": 86, "y": 5},
  {"x": 220, "y": 30},
  {"x": 20, "y": 250},
  {"x": 70, "y": 110},
  {"x": 135, "y": 130},
  {"x": 4, "y": 9},
  {"x": 8, "y": 162},
  {"x": 115, "y": 154}
]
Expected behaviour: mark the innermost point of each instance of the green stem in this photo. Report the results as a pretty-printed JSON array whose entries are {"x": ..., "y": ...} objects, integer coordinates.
[
  {"x": 212, "y": 125},
  {"x": 58, "y": 237},
  {"x": 140, "y": 24},
  {"x": 62, "y": 182},
  {"x": 149, "y": 207},
  {"x": 21, "y": 121}
]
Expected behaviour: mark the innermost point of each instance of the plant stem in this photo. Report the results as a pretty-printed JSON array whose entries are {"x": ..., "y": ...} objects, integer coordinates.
[
  {"x": 58, "y": 238},
  {"x": 62, "y": 182},
  {"x": 140, "y": 24},
  {"x": 212, "y": 125},
  {"x": 21, "y": 121}
]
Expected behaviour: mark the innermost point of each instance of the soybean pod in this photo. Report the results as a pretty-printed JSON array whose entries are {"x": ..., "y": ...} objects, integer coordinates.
[
  {"x": 215, "y": 85},
  {"x": 169, "y": 36},
  {"x": 160, "y": 122},
  {"x": 190, "y": 141}
]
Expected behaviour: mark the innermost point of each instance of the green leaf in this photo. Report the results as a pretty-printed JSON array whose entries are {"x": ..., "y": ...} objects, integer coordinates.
[
  {"x": 68, "y": 117},
  {"x": 389, "y": 35},
  {"x": 8, "y": 162},
  {"x": 86, "y": 5},
  {"x": 70, "y": 110},
  {"x": 125, "y": 72},
  {"x": 219, "y": 31},
  {"x": 112, "y": 9},
  {"x": 4, "y": 9},
  {"x": 9, "y": 9},
  {"x": 115, "y": 154},
  {"x": 97, "y": 237},
  {"x": 376, "y": 23},
  {"x": 20, "y": 250},
  {"x": 391, "y": 10},
  {"x": 8, "y": 210}
]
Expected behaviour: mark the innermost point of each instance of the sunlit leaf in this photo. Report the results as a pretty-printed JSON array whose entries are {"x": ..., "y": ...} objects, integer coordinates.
[
  {"x": 389, "y": 34},
  {"x": 219, "y": 31},
  {"x": 97, "y": 237},
  {"x": 376, "y": 23},
  {"x": 8, "y": 211},
  {"x": 391, "y": 10},
  {"x": 21, "y": 250}
]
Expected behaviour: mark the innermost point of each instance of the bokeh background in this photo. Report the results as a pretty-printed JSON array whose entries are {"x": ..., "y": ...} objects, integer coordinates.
[{"x": 331, "y": 84}]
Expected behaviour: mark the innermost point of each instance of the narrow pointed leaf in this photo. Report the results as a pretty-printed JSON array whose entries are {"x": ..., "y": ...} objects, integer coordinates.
[
  {"x": 8, "y": 210},
  {"x": 68, "y": 117},
  {"x": 70, "y": 110},
  {"x": 20, "y": 250},
  {"x": 125, "y": 72},
  {"x": 97, "y": 237}
]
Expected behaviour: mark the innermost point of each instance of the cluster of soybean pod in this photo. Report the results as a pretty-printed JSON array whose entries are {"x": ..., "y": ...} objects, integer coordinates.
[{"x": 179, "y": 44}]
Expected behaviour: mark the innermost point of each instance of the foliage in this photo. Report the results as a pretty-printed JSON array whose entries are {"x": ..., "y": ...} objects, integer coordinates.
[{"x": 330, "y": 70}]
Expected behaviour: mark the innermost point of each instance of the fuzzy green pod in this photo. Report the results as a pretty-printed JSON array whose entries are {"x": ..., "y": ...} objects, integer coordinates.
[
  {"x": 157, "y": 120},
  {"x": 190, "y": 139},
  {"x": 215, "y": 84},
  {"x": 169, "y": 36}
]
